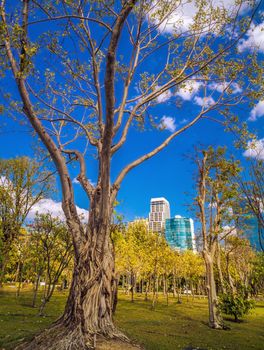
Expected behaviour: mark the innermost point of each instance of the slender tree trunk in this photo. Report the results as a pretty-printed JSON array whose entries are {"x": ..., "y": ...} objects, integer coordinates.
[
  {"x": 166, "y": 289},
  {"x": 36, "y": 289},
  {"x": 20, "y": 270},
  {"x": 229, "y": 277},
  {"x": 192, "y": 289},
  {"x": 123, "y": 283},
  {"x": 174, "y": 284},
  {"x": 3, "y": 270},
  {"x": 147, "y": 289},
  {"x": 219, "y": 269},
  {"x": 46, "y": 297},
  {"x": 154, "y": 297},
  {"x": 215, "y": 319},
  {"x": 199, "y": 289},
  {"x": 164, "y": 284},
  {"x": 127, "y": 285},
  {"x": 187, "y": 290},
  {"x": 133, "y": 279},
  {"x": 179, "y": 291}
]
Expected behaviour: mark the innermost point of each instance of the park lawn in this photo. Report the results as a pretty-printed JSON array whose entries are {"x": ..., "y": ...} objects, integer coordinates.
[
  {"x": 177, "y": 326},
  {"x": 184, "y": 326}
]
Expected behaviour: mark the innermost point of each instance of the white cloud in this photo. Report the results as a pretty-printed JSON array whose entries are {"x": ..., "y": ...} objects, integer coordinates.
[
  {"x": 254, "y": 40},
  {"x": 5, "y": 182},
  {"x": 168, "y": 123},
  {"x": 48, "y": 205},
  {"x": 204, "y": 101},
  {"x": 189, "y": 89},
  {"x": 220, "y": 87},
  {"x": 75, "y": 181},
  {"x": 231, "y": 230},
  {"x": 257, "y": 111},
  {"x": 165, "y": 96},
  {"x": 183, "y": 121},
  {"x": 182, "y": 14},
  {"x": 255, "y": 149}
]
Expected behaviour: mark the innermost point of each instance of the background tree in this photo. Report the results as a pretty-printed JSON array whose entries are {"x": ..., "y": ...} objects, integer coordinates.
[
  {"x": 257, "y": 277},
  {"x": 22, "y": 184},
  {"x": 194, "y": 270},
  {"x": 216, "y": 198},
  {"x": 50, "y": 239},
  {"x": 83, "y": 96},
  {"x": 253, "y": 193}
]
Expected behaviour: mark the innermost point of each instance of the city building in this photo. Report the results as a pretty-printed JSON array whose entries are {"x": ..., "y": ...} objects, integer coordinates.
[
  {"x": 179, "y": 233},
  {"x": 159, "y": 212},
  {"x": 249, "y": 227},
  {"x": 252, "y": 231}
]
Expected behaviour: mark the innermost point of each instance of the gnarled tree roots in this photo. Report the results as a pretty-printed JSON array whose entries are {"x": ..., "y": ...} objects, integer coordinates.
[{"x": 59, "y": 337}]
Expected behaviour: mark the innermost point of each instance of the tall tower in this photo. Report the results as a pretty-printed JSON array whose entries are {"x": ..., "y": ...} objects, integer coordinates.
[{"x": 159, "y": 212}]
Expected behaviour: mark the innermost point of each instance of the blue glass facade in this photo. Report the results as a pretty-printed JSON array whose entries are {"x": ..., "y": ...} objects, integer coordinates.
[
  {"x": 251, "y": 231},
  {"x": 179, "y": 233}
]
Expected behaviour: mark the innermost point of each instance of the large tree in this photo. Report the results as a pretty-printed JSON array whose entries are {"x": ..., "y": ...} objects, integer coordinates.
[{"x": 85, "y": 76}]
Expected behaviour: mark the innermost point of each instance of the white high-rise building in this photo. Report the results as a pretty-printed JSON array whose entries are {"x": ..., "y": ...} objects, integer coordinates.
[{"x": 159, "y": 212}]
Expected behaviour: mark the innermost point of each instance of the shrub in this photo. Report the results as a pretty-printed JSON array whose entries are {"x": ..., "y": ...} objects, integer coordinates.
[{"x": 235, "y": 305}]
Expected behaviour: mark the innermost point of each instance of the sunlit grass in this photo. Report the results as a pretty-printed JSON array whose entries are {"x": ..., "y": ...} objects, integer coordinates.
[{"x": 177, "y": 326}]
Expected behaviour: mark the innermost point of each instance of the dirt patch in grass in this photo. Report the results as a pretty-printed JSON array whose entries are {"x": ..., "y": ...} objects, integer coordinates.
[{"x": 104, "y": 344}]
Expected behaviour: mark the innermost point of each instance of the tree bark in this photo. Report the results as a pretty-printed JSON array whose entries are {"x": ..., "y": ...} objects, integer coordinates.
[
  {"x": 147, "y": 289},
  {"x": 219, "y": 269},
  {"x": 19, "y": 278},
  {"x": 89, "y": 308},
  {"x": 3, "y": 270},
  {"x": 133, "y": 283},
  {"x": 215, "y": 319},
  {"x": 174, "y": 284},
  {"x": 36, "y": 288}
]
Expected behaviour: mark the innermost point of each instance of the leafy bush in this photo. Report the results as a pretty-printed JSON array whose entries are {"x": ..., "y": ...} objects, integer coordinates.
[{"x": 235, "y": 305}]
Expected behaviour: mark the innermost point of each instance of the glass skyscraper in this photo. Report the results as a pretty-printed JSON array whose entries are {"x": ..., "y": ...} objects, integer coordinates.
[
  {"x": 179, "y": 233},
  {"x": 159, "y": 212},
  {"x": 251, "y": 231}
]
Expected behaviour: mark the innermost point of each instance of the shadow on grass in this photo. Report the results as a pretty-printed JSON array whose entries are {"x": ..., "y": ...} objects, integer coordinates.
[
  {"x": 193, "y": 348},
  {"x": 230, "y": 319}
]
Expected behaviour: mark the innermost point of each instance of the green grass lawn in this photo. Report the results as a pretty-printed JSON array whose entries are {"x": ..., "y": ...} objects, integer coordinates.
[{"x": 177, "y": 326}]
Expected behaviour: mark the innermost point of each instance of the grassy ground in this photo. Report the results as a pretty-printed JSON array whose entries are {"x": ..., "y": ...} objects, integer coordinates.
[{"x": 177, "y": 326}]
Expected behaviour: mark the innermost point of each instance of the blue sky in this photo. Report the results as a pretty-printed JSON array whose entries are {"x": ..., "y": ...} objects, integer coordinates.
[{"x": 170, "y": 173}]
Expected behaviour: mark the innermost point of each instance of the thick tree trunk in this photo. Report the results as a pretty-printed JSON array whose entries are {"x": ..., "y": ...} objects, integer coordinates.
[
  {"x": 90, "y": 300},
  {"x": 215, "y": 319},
  {"x": 115, "y": 292},
  {"x": 89, "y": 308}
]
